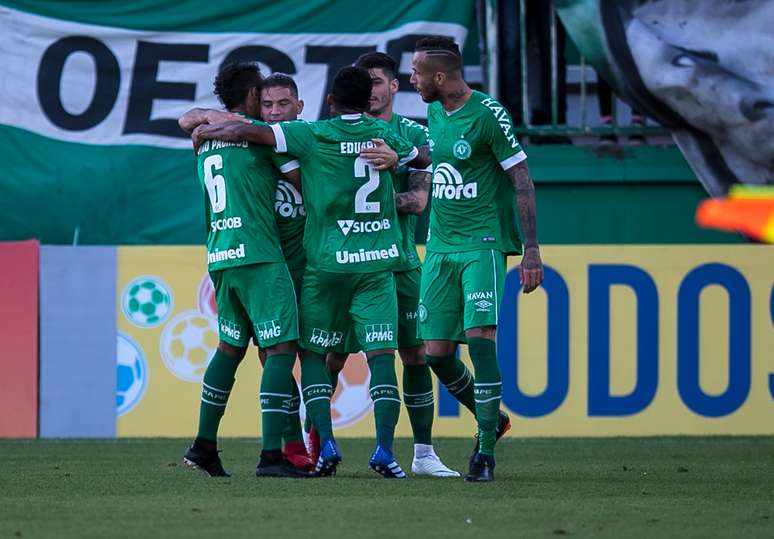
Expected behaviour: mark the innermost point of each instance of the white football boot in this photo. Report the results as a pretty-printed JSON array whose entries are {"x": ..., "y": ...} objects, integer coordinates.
[{"x": 426, "y": 462}]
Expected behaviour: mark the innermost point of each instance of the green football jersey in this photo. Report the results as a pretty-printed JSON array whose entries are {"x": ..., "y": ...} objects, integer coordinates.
[
  {"x": 239, "y": 182},
  {"x": 473, "y": 198},
  {"x": 416, "y": 134},
  {"x": 352, "y": 224},
  {"x": 290, "y": 214}
]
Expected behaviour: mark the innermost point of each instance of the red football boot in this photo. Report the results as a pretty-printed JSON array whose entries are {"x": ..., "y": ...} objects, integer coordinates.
[
  {"x": 295, "y": 453},
  {"x": 313, "y": 444}
]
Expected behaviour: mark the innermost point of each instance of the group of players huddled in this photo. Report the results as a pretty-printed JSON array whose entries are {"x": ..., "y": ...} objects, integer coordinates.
[{"x": 311, "y": 251}]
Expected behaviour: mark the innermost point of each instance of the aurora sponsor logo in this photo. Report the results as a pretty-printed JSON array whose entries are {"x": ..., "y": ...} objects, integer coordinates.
[
  {"x": 448, "y": 184},
  {"x": 288, "y": 202},
  {"x": 350, "y": 226},
  {"x": 366, "y": 255}
]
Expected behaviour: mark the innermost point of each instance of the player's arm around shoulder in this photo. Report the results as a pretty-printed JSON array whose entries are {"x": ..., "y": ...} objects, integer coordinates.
[
  {"x": 197, "y": 116},
  {"x": 531, "y": 269},
  {"x": 414, "y": 199},
  {"x": 234, "y": 131}
]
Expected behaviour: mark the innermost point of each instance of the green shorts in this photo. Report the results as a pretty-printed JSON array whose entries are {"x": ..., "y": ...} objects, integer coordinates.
[
  {"x": 460, "y": 291},
  {"x": 256, "y": 300},
  {"x": 331, "y": 303},
  {"x": 407, "y": 287},
  {"x": 297, "y": 274}
]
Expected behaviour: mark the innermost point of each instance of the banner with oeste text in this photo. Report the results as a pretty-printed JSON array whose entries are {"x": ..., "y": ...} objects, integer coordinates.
[
  {"x": 92, "y": 92},
  {"x": 619, "y": 341}
]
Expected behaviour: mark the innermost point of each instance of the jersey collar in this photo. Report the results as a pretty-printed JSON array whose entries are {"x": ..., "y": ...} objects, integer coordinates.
[{"x": 356, "y": 116}]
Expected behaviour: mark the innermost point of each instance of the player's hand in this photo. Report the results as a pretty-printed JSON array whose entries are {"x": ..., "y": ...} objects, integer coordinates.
[
  {"x": 531, "y": 269},
  {"x": 196, "y": 138},
  {"x": 380, "y": 156}
]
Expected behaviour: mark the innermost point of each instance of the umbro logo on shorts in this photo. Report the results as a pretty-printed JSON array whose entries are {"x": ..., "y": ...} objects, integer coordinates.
[{"x": 483, "y": 305}]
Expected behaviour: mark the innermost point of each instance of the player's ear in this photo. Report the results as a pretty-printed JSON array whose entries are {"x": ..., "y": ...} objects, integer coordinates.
[
  {"x": 439, "y": 78},
  {"x": 394, "y": 86},
  {"x": 329, "y": 100},
  {"x": 300, "y": 105}
]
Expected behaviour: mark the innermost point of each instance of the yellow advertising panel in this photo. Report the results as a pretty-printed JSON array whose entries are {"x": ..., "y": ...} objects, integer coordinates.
[{"x": 620, "y": 340}]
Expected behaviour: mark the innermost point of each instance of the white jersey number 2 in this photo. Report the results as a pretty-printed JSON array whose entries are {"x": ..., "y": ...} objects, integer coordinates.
[{"x": 364, "y": 169}]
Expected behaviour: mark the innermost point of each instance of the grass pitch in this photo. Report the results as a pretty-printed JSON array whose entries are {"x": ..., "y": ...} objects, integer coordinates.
[{"x": 652, "y": 487}]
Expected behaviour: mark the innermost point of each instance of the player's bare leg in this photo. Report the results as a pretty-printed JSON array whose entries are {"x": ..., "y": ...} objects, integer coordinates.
[{"x": 216, "y": 387}]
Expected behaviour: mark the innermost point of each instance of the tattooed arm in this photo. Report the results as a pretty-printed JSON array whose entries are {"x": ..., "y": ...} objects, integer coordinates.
[
  {"x": 415, "y": 199},
  {"x": 195, "y": 117},
  {"x": 531, "y": 269}
]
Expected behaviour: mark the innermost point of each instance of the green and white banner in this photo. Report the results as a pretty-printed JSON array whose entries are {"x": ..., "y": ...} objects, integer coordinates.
[{"x": 92, "y": 91}]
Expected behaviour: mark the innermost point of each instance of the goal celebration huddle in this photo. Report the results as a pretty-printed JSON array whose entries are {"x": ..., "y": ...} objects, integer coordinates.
[{"x": 311, "y": 250}]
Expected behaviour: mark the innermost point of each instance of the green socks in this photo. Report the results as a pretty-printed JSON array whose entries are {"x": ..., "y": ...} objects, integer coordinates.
[
  {"x": 292, "y": 432},
  {"x": 418, "y": 399},
  {"x": 316, "y": 390},
  {"x": 334, "y": 378},
  {"x": 384, "y": 393},
  {"x": 276, "y": 399},
  {"x": 218, "y": 381},
  {"x": 488, "y": 390},
  {"x": 456, "y": 377}
]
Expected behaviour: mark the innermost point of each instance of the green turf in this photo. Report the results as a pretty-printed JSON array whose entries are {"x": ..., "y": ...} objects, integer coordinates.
[{"x": 653, "y": 487}]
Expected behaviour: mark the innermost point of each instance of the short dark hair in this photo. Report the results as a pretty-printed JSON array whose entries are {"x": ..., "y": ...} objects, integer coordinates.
[
  {"x": 443, "y": 51},
  {"x": 234, "y": 81},
  {"x": 352, "y": 88},
  {"x": 280, "y": 80},
  {"x": 378, "y": 60}
]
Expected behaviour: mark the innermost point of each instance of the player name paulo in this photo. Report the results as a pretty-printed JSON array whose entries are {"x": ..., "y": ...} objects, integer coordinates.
[
  {"x": 364, "y": 255},
  {"x": 226, "y": 254},
  {"x": 208, "y": 145}
]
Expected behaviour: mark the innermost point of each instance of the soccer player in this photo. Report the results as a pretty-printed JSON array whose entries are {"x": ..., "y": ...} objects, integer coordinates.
[
  {"x": 412, "y": 187},
  {"x": 479, "y": 167},
  {"x": 352, "y": 244},
  {"x": 253, "y": 288},
  {"x": 279, "y": 103}
]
